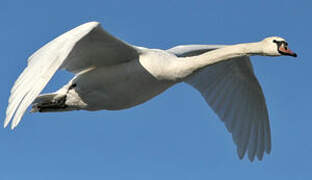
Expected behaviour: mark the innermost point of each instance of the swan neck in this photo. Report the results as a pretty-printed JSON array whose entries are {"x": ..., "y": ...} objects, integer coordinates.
[
  {"x": 225, "y": 53},
  {"x": 233, "y": 51}
]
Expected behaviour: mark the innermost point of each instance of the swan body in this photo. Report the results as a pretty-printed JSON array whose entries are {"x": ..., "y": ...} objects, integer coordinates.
[
  {"x": 118, "y": 87},
  {"x": 113, "y": 75}
]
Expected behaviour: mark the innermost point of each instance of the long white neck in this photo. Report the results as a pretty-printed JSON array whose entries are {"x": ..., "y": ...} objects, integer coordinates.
[
  {"x": 247, "y": 49},
  {"x": 177, "y": 68}
]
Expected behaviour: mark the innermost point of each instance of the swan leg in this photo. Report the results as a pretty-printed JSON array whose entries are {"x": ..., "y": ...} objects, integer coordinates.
[
  {"x": 49, "y": 103},
  {"x": 65, "y": 99}
]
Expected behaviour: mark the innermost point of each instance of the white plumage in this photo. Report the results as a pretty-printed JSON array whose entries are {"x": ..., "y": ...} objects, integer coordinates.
[{"x": 111, "y": 74}]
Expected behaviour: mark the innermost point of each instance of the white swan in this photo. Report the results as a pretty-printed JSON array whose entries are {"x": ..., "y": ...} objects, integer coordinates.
[{"x": 111, "y": 74}]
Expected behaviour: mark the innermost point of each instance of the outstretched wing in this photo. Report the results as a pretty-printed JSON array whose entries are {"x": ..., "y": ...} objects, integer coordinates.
[
  {"x": 234, "y": 93},
  {"x": 85, "y": 46}
]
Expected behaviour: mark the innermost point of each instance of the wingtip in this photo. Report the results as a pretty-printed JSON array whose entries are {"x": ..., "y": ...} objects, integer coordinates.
[
  {"x": 90, "y": 24},
  {"x": 13, "y": 126},
  {"x": 240, "y": 152},
  {"x": 13, "y": 123},
  {"x": 260, "y": 157},
  {"x": 268, "y": 149},
  {"x": 94, "y": 22},
  {"x": 6, "y": 123},
  {"x": 251, "y": 158}
]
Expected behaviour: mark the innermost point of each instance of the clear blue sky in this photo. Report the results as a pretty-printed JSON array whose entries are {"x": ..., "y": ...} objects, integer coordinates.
[{"x": 175, "y": 136}]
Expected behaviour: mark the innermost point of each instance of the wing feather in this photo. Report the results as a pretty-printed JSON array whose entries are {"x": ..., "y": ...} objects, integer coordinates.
[
  {"x": 233, "y": 92},
  {"x": 239, "y": 102},
  {"x": 85, "y": 46},
  {"x": 237, "y": 99}
]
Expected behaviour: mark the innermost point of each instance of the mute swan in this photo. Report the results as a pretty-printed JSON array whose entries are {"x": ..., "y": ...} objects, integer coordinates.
[{"x": 112, "y": 75}]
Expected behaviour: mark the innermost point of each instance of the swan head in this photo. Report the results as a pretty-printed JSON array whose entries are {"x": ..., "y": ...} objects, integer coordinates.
[{"x": 276, "y": 46}]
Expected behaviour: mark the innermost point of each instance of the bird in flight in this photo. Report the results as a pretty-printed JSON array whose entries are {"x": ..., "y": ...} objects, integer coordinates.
[{"x": 112, "y": 74}]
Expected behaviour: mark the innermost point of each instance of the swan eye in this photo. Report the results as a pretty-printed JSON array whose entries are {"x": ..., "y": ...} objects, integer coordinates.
[
  {"x": 285, "y": 45},
  {"x": 280, "y": 43}
]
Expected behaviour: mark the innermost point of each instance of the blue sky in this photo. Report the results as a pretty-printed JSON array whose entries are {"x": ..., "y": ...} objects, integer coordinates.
[{"x": 175, "y": 135}]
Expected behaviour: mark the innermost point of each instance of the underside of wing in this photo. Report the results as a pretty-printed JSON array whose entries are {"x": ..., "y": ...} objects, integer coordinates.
[
  {"x": 234, "y": 93},
  {"x": 83, "y": 47}
]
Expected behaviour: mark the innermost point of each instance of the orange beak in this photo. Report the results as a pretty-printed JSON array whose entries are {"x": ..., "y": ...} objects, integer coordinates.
[{"x": 286, "y": 51}]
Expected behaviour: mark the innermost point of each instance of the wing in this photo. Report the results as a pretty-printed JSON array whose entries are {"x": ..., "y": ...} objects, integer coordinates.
[
  {"x": 234, "y": 93},
  {"x": 85, "y": 46}
]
